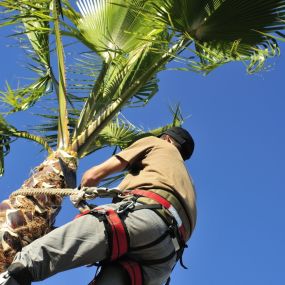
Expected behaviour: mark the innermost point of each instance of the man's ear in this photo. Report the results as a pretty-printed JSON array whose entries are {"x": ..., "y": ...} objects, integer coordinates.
[{"x": 168, "y": 138}]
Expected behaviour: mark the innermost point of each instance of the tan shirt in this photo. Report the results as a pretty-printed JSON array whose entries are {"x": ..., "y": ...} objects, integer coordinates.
[{"x": 156, "y": 163}]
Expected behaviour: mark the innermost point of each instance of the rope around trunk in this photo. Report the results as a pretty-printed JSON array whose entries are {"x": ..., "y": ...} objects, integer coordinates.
[
  {"x": 77, "y": 196},
  {"x": 48, "y": 191}
]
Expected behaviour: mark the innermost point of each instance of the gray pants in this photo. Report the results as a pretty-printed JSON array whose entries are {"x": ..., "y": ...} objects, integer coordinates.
[{"x": 83, "y": 241}]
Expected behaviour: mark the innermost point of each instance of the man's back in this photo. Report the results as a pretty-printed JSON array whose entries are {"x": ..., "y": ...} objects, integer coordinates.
[{"x": 153, "y": 163}]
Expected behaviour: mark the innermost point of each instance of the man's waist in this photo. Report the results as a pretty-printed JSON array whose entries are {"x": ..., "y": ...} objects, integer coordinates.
[{"x": 170, "y": 202}]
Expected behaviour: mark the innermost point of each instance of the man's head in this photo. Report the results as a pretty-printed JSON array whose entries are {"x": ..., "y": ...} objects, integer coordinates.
[{"x": 181, "y": 139}]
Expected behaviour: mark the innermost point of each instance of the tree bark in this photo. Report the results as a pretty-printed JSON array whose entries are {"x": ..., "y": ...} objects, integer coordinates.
[{"x": 26, "y": 218}]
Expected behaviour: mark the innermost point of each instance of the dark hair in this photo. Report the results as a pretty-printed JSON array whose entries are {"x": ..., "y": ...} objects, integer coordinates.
[{"x": 182, "y": 140}]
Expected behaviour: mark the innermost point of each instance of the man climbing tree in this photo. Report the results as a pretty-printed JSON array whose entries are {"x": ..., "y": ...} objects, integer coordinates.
[
  {"x": 128, "y": 44},
  {"x": 144, "y": 231}
]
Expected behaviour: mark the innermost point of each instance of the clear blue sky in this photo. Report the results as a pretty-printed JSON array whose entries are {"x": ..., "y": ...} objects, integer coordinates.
[{"x": 238, "y": 168}]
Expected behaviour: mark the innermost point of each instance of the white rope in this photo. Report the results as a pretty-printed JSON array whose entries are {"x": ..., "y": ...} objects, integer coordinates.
[
  {"x": 48, "y": 191},
  {"x": 77, "y": 196}
]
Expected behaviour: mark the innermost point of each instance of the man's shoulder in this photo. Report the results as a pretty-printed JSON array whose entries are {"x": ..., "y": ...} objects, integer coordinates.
[{"x": 149, "y": 139}]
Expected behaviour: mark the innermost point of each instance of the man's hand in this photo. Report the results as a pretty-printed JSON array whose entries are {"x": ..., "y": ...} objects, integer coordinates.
[
  {"x": 90, "y": 178},
  {"x": 93, "y": 175}
]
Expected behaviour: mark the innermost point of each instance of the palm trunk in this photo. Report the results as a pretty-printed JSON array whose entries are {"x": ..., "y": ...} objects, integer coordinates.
[{"x": 24, "y": 219}]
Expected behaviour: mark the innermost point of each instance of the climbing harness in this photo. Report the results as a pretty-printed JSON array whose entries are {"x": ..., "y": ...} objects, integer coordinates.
[
  {"x": 130, "y": 272},
  {"x": 113, "y": 218},
  {"x": 118, "y": 236},
  {"x": 134, "y": 271},
  {"x": 176, "y": 229},
  {"x": 115, "y": 227},
  {"x": 166, "y": 204}
]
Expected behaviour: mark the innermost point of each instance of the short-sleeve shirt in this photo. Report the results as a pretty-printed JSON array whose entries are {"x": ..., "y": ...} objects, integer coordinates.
[{"x": 154, "y": 163}]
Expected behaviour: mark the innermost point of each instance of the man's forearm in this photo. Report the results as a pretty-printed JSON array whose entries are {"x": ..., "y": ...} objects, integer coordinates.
[{"x": 93, "y": 176}]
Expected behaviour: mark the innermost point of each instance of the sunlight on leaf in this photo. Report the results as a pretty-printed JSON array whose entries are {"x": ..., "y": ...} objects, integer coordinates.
[{"x": 23, "y": 98}]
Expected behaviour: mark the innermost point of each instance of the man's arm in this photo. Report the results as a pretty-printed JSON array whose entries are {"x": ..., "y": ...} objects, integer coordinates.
[{"x": 93, "y": 175}]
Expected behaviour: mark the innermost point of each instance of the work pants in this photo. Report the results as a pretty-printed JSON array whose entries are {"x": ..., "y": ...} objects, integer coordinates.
[{"x": 84, "y": 241}]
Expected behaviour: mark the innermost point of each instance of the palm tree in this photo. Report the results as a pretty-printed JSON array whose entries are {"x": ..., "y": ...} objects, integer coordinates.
[{"x": 128, "y": 43}]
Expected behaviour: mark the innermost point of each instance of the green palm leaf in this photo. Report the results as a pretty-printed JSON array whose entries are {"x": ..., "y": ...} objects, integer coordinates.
[
  {"x": 49, "y": 128},
  {"x": 37, "y": 28},
  {"x": 7, "y": 132},
  {"x": 113, "y": 28},
  {"x": 223, "y": 20},
  {"x": 125, "y": 82},
  {"x": 226, "y": 30},
  {"x": 63, "y": 133},
  {"x": 131, "y": 37},
  {"x": 34, "y": 19},
  {"x": 120, "y": 132},
  {"x": 23, "y": 98},
  {"x": 121, "y": 74}
]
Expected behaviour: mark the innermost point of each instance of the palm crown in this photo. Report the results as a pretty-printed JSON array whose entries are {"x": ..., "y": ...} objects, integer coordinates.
[{"x": 129, "y": 43}]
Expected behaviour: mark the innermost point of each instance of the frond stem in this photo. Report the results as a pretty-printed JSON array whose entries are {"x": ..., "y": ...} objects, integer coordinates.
[
  {"x": 86, "y": 138},
  {"x": 63, "y": 133},
  {"x": 91, "y": 100}
]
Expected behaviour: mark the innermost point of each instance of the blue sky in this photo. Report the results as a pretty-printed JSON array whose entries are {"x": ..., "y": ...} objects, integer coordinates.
[{"x": 237, "y": 121}]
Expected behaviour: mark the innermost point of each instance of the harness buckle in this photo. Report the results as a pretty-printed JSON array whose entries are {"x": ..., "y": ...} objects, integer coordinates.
[
  {"x": 173, "y": 234},
  {"x": 176, "y": 244},
  {"x": 126, "y": 206},
  {"x": 101, "y": 211}
]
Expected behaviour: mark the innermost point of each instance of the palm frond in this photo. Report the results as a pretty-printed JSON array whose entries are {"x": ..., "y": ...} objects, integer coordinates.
[
  {"x": 90, "y": 71},
  {"x": 114, "y": 28},
  {"x": 83, "y": 73},
  {"x": 5, "y": 141},
  {"x": 223, "y": 20},
  {"x": 145, "y": 94},
  {"x": 70, "y": 12},
  {"x": 35, "y": 18},
  {"x": 212, "y": 56},
  {"x": 125, "y": 82},
  {"x": 23, "y": 98},
  {"x": 33, "y": 26},
  {"x": 47, "y": 127},
  {"x": 38, "y": 30},
  {"x": 177, "y": 121},
  {"x": 119, "y": 40},
  {"x": 63, "y": 133},
  {"x": 111, "y": 82},
  {"x": 120, "y": 132},
  {"x": 226, "y": 30},
  {"x": 8, "y": 132}
]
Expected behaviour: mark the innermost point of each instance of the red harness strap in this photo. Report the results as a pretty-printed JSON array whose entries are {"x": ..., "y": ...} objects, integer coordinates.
[
  {"x": 134, "y": 270},
  {"x": 116, "y": 233},
  {"x": 162, "y": 201},
  {"x": 119, "y": 236},
  {"x": 82, "y": 214}
]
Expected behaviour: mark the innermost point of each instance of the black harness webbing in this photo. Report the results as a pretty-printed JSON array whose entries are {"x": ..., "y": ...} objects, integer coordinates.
[{"x": 119, "y": 240}]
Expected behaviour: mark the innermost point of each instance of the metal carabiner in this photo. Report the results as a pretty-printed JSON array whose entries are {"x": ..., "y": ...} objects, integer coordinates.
[{"x": 126, "y": 206}]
